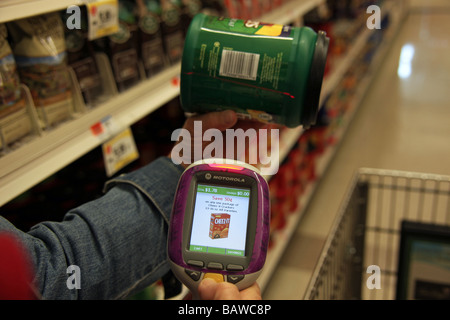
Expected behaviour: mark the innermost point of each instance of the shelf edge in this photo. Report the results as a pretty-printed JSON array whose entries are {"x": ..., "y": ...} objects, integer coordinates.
[{"x": 27, "y": 166}]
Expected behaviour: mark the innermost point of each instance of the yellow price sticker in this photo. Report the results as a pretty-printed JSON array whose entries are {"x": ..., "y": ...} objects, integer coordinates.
[
  {"x": 103, "y": 17},
  {"x": 119, "y": 151}
]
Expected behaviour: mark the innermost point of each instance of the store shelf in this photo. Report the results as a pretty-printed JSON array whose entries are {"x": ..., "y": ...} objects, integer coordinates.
[
  {"x": 290, "y": 11},
  {"x": 17, "y": 9},
  {"x": 45, "y": 155},
  {"x": 291, "y": 136},
  {"x": 281, "y": 238},
  {"x": 57, "y": 148}
]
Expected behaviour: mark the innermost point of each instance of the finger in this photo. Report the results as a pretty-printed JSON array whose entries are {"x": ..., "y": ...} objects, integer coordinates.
[
  {"x": 226, "y": 291},
  {"x": 219, "y": 120},
  {"x": 251, "y": 293},
  {"x": 247, "y": 124},
  {"x": 207, "y": 289}
]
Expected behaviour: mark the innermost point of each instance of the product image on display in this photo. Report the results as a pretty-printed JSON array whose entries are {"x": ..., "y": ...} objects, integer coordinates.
[
  {"x": 220, "y": 223},
  {"x": 226, "y": 231},
  {"x": 229, "y": 228},
  {"x": 219, "y": 227}
]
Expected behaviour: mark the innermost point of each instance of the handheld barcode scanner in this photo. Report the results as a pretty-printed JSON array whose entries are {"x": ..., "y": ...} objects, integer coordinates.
[{"x": 220, "y": 222}]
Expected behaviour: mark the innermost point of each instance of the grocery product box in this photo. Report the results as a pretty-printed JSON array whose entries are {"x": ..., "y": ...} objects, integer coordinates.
[{"x": 219, "y": 226}]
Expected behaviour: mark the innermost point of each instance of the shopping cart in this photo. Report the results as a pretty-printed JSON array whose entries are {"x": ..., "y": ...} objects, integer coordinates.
[{"x": 368, "y": 228}]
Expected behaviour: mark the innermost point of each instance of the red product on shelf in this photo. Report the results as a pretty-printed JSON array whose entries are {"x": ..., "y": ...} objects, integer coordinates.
[
  {"x": 266, "y": 6},
  {"x": 278, "y": 217},
  {"x": 246, "y": 8},
  {"x": 277, "y": 3},
  {"x": 255, "y": 9},
  {"x": 233, "y": 8}
]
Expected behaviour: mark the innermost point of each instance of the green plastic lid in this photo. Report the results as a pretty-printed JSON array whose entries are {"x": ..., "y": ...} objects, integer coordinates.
[{"x": 316, "y": 72}]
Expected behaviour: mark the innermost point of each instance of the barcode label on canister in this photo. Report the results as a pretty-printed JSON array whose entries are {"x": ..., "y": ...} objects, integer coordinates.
[{"x": 238, "y": 64}]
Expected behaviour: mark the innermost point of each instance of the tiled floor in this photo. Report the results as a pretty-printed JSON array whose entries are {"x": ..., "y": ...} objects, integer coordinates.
[{"x": 403, "y": 124}]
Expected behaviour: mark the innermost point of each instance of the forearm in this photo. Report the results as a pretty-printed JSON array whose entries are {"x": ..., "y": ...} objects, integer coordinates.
[{"x": 118, "y": 241}]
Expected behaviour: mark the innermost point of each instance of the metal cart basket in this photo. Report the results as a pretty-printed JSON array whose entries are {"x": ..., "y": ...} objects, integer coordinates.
[{"x": 367, "y": 231}]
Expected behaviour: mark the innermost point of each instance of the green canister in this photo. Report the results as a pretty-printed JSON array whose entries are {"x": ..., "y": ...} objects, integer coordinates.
[{"x": 267, "y": 72}]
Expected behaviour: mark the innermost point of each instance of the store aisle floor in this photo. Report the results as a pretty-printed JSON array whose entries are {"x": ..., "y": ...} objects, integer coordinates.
[{"x": 403, "y": 123}]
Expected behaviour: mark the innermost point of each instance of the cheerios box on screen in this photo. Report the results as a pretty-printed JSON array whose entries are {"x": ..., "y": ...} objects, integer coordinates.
[{"x": 219, "y": 227}]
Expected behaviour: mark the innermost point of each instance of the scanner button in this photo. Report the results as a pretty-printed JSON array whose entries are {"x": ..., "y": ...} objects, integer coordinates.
[
  {"x": 215, "y": 276},
  {"x": 235, "y": 267},
  {"x": 196, "y": 263},
  {"x": 195, "y": 275},
  {"x": 235, "y": 278},
  {"x": 215, "y": 265}
]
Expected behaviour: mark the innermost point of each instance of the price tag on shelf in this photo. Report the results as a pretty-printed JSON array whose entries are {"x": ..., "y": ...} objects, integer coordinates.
[
  {"x": 119, "y": 151},
  {"x": 103, "y": 18},
  {"x": 106, "y": 128},
  {"x": 175, "y": 81}
]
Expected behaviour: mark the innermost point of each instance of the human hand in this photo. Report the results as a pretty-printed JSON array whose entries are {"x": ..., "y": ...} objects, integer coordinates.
[
  {"x": 192, "y": 141},
  {"x": 209, "y": 289}
]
